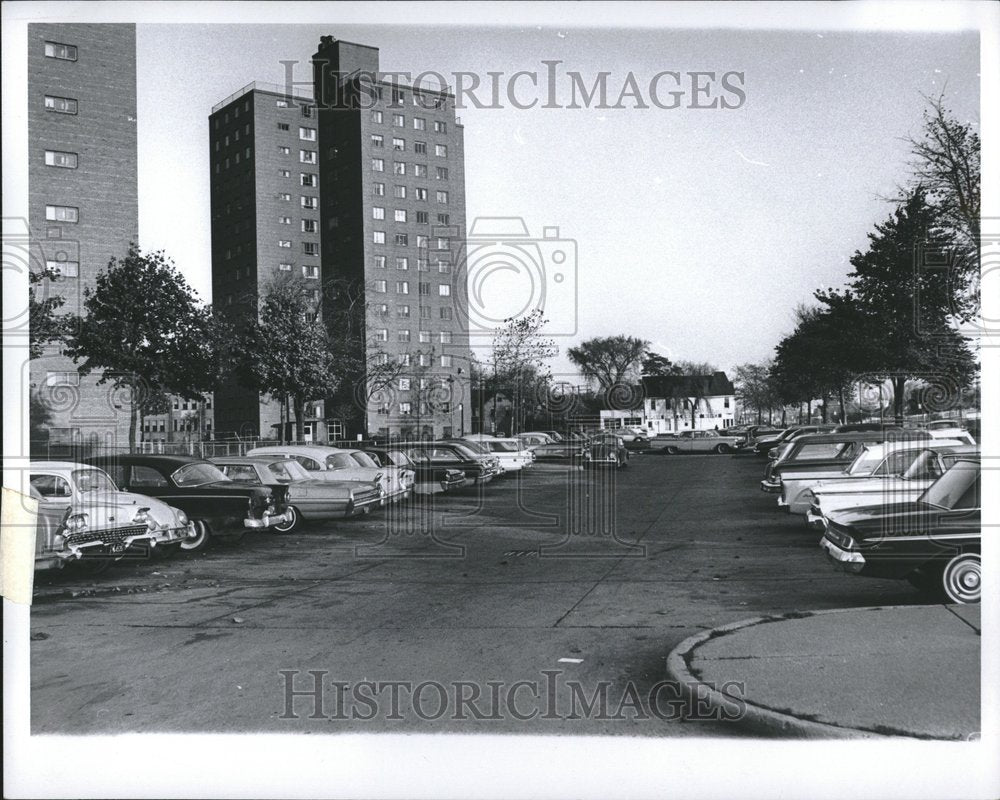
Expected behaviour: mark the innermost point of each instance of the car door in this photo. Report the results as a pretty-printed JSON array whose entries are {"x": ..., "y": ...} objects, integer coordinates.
[{"x": 55, "y": 491}]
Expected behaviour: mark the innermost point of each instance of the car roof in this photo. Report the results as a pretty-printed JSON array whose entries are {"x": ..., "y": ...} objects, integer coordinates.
[
  {"x": 165, "y": 460},
  {"x": 862, "y": 436},
  {"x": 262, "y": 459},
  {"x": 298, "y": 449},
  {"x": 56, "y": 466}
]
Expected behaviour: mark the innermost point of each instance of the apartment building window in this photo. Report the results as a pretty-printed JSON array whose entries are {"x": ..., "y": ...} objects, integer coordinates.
[
  {"x": 382, "y": 359},
  {"x": 379, "y": 262},
  {"x": 309, "y": 226},
  {"x": 378, "y": 237},
  {"x": 308, "y": 202},
  {"x": 424, "y": 288},
  {"x": 307, "y": 156},
  {"x": 440, "y": 127},
  {"x": 285, "y": 196},
  {"x": 307, "y": 134},
  {"x": 421, "y": 265},
  {"x": 378, "y": 189},
  {"x": 284, "y": 173},
  {"x": 442, "y": 197},
  {"x": 381, "y": 334},
  {"x": 378, "y": 212},
  {"x": 402, "y": 262},
  {"x": 425, "y": 312},
  {"x": 66, "y": 52},
  {"x": 422, "y": 241},
  {"x": 420, "y": 193},
  {"x": 445, "y": 337},
  {"x": 425, "y": 361},
  {"x": 382, "y": 310},
  {"x": 398, "y": 144},
  {"x": 422, "y": 218},
  {"x": 443, "y": 219},
  {"x": 402, "y": 287},
  {"x": 285, "y": 220},
  {"x": 402, "y": 239},
  {"x": 398, "y": 121},
  {"x": 419, "y": 124},
  {"x": 64, "y": 269},
  {"x": 405, "y": 408},
  {"x": 307, "y": 111},
  {"x": 62, "y": 378},
  {"x": 442, "y": 243},
  {"x": 403, "y": 383},
  {"x": 403, "y": 336},
  {"x": 310, "y": 248},
  {"x": 380, "y": 286},
  {"x": 283, "y": 126},
  {"x": 399, "y": 192},
  {"x": 444, "y": 267},
  {"x": 378, "y": 165},
  {"x": 61, "y": 105},
  {"x": 284, "y": 150},
  {"x": 62, "y": 214},
  {"x": 400, "y": 215},
  {"x": 284, "y": 243},
  {"x": 308, "y": 178},
  {"x": 310, "y": 273},
  {"x": 420, "y": 148},
  {"x": 441, "y": 173},
  {"x": 377, "y": 140},
  {"x": 399, "y": 167},
  {"x": 315, "y": 296},
  {"x": 404, "y": 360},
  {"x": 425, "y": 336},
  {"x": 285, "y": 267},
  {"x": 58, "y": 158},
  {"x": 444, "y": 290},
  {"x": 281, "y": 103},
  {"x": 377, "y": 117},
  {"x": 420, "y": 170},
  {"x": 403, "y": 311},
  {"x": 445, "y": 312},
  {"x": 398, "y": 96}
]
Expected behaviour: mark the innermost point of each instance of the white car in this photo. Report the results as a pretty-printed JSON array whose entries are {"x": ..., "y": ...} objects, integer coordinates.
[
  {"x": 337, "y": 464},
  {"x": 102, "y": 520},
  {"x": 883, "y": 459},
  {"x": 533, "y": 440},
  {"x": 510, "y": 452},
  {"x": 928, "y": 465}
]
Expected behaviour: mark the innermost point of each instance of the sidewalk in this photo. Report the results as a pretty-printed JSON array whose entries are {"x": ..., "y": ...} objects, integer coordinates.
[{"x": 867, "y": 672}]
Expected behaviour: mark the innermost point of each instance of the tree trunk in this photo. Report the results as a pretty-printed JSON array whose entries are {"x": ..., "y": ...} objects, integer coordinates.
[
  {"x": 133, "y": 415},
  {"x": 843, "y": 417},
  {"x": 824, "y": 401},
  {"x": 300, "y": 419},
  {"x": 898, "y": 388}
]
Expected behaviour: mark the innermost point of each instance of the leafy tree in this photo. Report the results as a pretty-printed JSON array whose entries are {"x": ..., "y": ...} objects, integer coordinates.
[
  {"x": 520, "y": 353},
  {"x": 755, "y": 388},
  {"x": 144, "y": 328},
  {"x": 44, "y": 324},
  {"x": 655, "y": 364},
  {"x": 900, "y": 317},
  {"x": 611, "y": 361}
]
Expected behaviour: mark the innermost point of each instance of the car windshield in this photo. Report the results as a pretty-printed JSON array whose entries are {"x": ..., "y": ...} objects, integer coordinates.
[
  {"x": 363, "y": 459},
  {"x": 957, "y": 488},
  {"x": 865, "y": 462},
  {"x": 503, "y": 447},
  {"x": 399, "y": 458},
  {"x": 897, "y": 463},
  {"x": 287, "y": 470},
  {"x": 198, "y": 474},
  {"x": 924, "y": 466},
  {"x": 466, "y": 451},
  {"x": 340, "y": 461},
  {"x": 93, "y": 480},
  {"x": 475, "y": 448}
]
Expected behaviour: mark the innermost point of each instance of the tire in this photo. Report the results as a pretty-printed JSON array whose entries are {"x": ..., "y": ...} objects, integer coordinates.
[
  {"x": 722, "y": 448},
  {"x": 290, "y": 526},
  {"x": 672, "y": 451},
  {"x": 961, "y": 578},
  {"x": 198, "y": 542}
]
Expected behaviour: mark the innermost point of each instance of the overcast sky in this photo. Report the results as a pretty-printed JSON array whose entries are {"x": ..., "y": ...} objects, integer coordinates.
[{"x": 699, "y": 230}]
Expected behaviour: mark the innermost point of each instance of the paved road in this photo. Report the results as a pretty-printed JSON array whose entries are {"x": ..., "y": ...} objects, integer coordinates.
[{"x": 607, "y": 572}]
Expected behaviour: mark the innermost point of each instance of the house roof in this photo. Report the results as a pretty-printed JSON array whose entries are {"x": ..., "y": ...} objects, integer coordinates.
[{"x": 714, "y": 385}]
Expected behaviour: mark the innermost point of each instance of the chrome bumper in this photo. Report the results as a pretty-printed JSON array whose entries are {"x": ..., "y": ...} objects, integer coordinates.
[
  {"x": 815, "y": 519},
  {"x": 846, "y": 560},
  {"x": 770, "y": 487},
  {"x": 267, "y": 521}
]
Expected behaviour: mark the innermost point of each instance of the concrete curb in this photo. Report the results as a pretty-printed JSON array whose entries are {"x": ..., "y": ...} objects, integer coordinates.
[{"x": 757, "y": 718}]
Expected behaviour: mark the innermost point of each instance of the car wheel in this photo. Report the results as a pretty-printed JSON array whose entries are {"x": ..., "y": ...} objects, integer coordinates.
[
  {"x": 961, "y": 578},
  {"x": 722, "y": 448},
  {"x": 672, "y": 451},
  {"x": 292, "y": 524},
  {"x": 199, "y": 537}
]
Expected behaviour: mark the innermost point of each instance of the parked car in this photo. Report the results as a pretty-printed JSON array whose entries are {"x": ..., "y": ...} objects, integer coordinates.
[
  {"x": 217, "y": 506},
  {"x": 512, "y": 456},
  {"x": 51, "y": 551},
  {"x": 933, "y": 542},
  {"x": 880, "y": 459},
  {"x": 566, "y": 450},
  {"x": 335, "y": 464},
  {"x": 605, "y": 451},
  {"x": 889, "y": 488},
  {"x": 764, "y": 446},
  {"x": 308, "y": 499},
  {"x": 555, "y": 436},
  {"x": 748, "y": 441},
  {"x": 701, "y": 442},
  {"x": 101, "y": 521},
  {"x": 533, "y": 440},
  {"x": 430, "y": 479},
  {"x": 826, "y": 453},
  {"x": 479, "y": 468}
]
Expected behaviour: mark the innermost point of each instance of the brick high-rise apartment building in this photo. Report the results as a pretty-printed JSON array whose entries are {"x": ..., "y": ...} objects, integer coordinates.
[
  {"x": 369, "y": 192},
  {"x": 82, "y": 200}
]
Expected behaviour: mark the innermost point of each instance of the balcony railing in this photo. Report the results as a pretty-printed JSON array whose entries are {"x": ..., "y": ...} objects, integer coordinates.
[{"x": 298, "y": 93}]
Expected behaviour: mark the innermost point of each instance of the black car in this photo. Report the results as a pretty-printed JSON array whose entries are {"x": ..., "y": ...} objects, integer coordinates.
[
  {"x": 605, "y": 450},
  {"x": 478, "y": 468},
  {"x": 764, "y": 445},
  {"x": 933, "y": 542},
  {"x": 431, "y": 478},
  {"x": 218, "y": 506}
]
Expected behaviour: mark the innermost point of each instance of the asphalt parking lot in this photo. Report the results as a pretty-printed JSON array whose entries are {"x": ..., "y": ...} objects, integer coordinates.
[{"x": 556, "y": 578}]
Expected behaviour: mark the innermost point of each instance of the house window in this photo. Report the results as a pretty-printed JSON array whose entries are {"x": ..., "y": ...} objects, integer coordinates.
[
  {"x": 378, "y": 165},
  {"x": 402, "y": 239},
  {"x": 425, "y": 336},
  {"x": 377, "y": 117},
  {"x": 441, "y": 173},
  {"x": 66, "y": 52},
  {"x": 400, "y": 215},
  {"x": 399, "y": 192},
  {"x": 382, "y": 335},
  {"x": 64, "y": 269},
  {"x": 285, "y": 267},
  {"x": 307, "y": 134},
  {"x": 403, "y": 311},
  {"x": 378, "y": 189},
  {"x": 378, "y": 237},
  {"x": 403, "y": 336},
  {"x": 62, "y": 214},
  {"x": 402, "y": 262},
  {"x": 307, "y": 156},
  {"x": 402, "y": 287},
  {"x": 421, "y": 193},
  {"x": 445, "y": 312},
  {"x": 311, "y": 273},
  {"x": 442, "y": 197},
  {"x": 377, "y": 140},
  {"x": 309, "y": 202},
  {"x": 378, "y": 212},
  {"x": 420, "y": 170},
  {"x": 61, "y": 105},
  {"x": 57, "y": 158},
  {"x": 725, "y": 403},
  {"x": 398, "y": 144},
  {"x": 399, "y": 167},
  {"x": 308, "y": 178},
  {"x": 380, "y": 286},
  {"x": 445, "y": 337},
  {"x": 379, "y": 262},
  {"x": 62, "y": 378},
  {"x": 440, "y": 127},
  {"x": 422, "y": 218},
  {"x": 444, "y": 290}
]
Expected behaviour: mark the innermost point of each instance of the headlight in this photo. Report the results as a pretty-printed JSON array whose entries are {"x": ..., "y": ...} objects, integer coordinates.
[
  {"x": 182, "y": 519},
  {"x": 77, "y": 522}
]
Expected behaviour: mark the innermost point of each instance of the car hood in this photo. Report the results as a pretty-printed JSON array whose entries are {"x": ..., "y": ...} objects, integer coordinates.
[
  {"x": 906, "y": 518},
  {"x": 866, "y": 485},
  {"x": 116, "y": 509}
]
